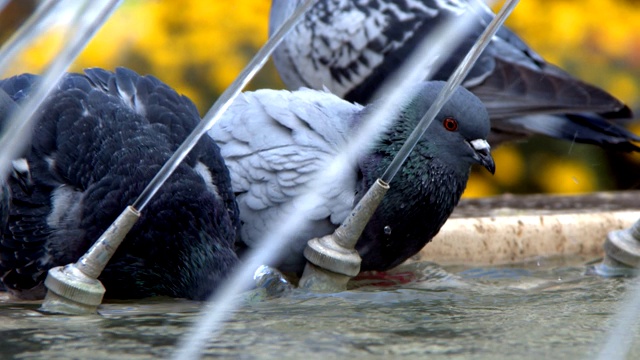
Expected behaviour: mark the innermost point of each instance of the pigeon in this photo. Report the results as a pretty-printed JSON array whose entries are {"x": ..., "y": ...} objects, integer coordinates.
[
  {"x": 276, "y": 142},
  {"x": 351, "y": 47},
  {"x": 99, "y": 139}
]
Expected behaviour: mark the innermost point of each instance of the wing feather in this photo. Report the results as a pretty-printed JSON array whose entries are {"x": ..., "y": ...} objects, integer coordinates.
[
  {"x": 276, "y": 144},
  {"x": 351, "y": 47}
]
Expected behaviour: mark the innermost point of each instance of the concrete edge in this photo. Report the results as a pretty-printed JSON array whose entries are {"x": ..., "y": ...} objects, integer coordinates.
[{"x": 511, "y": 239}]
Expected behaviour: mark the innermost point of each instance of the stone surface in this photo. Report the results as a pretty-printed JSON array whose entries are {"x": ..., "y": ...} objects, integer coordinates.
[{"x": 510, "y": 228}]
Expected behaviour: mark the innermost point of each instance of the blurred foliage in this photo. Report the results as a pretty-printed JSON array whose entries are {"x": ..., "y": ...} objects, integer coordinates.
[
  {"x": 599, "y": 42},
  {"x": 199, "y": 47}
]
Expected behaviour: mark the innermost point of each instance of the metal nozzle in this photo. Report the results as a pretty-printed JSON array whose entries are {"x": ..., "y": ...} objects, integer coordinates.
[
  {"x": 622, "y": 252},
  {"x": 74, "y": 289},
  {"x": 333, "y": 259}
]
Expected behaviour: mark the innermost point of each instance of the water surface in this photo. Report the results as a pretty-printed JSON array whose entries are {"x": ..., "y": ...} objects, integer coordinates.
[{"x": 545, "y": 309}]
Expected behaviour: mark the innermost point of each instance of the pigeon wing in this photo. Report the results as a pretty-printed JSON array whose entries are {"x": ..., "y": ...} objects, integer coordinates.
[
  {"x": 172, "y": 115},
  {"x": 276, "y": 144},
  {"x": 352, "y": 47}
]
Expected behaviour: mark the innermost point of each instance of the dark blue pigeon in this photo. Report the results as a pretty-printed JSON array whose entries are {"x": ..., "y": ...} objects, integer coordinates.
[
  {"x": 351, "y": 47},
  {"x": 278, "y": 144},
  {"x": 98, "y": 141}
]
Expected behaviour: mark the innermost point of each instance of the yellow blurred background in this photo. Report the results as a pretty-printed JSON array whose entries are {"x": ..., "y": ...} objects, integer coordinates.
[{"x": 198, "y": 47}]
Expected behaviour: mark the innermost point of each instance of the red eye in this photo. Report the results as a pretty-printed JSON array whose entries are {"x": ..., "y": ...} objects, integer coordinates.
[{"x": 450, "y": 124}]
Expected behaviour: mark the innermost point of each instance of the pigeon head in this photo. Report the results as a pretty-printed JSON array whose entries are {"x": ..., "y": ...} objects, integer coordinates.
[{"x": 458, "y": 133}]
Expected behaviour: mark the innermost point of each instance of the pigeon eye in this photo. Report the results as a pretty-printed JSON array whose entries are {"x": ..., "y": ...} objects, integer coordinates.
[{"x": 450, "y": 124}]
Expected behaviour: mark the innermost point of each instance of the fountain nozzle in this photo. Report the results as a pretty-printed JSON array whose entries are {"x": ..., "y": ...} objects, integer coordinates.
[
  {"x": 622, "y": 252},
  {"x": 74, "y": 289},
  {"x": 332, "y": 259}
]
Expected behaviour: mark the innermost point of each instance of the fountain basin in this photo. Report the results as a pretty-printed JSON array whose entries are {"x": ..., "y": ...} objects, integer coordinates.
[
  {"x": 480, "y": 303},
  {"x": 511, "y": 229}
]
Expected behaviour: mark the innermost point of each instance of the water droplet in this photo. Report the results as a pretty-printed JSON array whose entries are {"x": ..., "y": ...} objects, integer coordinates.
[{"x": 387, "y": 230}]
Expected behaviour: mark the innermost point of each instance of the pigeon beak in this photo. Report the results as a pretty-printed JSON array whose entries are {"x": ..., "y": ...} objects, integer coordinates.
[{"x": 483, "y": 154}]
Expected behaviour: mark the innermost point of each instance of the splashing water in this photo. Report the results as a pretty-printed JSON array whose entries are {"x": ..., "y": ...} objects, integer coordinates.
[{"x": 225, "y": 301}]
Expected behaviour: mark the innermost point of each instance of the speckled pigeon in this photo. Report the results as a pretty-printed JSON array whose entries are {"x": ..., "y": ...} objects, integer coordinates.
[
  {"x": 98, "y": 141},
  {"x": 276, "y": 143},
  {"x": 351, "y": 47}
]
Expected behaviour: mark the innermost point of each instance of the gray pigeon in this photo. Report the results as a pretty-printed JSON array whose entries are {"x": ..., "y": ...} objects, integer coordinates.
[
  {"x": 351, "y": 47},
  {"x": 98, "y": 141},
  {"x": 276, "y": 143}
]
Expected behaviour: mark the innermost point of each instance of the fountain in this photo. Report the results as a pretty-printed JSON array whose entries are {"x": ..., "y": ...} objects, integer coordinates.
[{"x": 210, "y": 321}]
